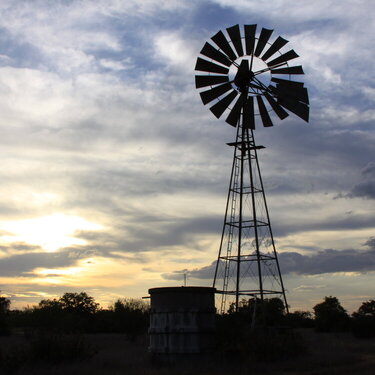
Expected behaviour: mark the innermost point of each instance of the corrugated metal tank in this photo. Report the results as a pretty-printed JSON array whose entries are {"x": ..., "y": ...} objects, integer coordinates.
[{"x": 182, "y": 320}]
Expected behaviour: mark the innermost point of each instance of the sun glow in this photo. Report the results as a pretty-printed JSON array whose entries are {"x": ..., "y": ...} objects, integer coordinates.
[{"x": 49, "y": 232}]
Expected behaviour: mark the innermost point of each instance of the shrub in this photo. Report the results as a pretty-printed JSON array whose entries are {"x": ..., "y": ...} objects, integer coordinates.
[
  {"x": 237, "y": 338},
  {"x": 299, "y": 319},
  {"x": 131, "y": 316}
]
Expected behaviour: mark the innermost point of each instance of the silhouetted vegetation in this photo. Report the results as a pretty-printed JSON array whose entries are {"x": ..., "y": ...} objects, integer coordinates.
[
  {"x": 257, "y": 331},
  {"x": 4, "y": 312},
  {"x": 69, "y": 331},
  {"x": 330, "y": 316},
  {"x": 79, "y": 313},
  {"x": 363, "y": 324},
  {"x": 299, "y": 319}
]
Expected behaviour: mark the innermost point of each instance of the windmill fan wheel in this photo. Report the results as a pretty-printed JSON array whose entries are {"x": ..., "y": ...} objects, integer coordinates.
[{"x": 235, "y": 65}]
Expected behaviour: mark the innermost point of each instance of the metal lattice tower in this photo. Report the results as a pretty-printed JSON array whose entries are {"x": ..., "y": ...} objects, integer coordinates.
[
  {"x": 243, "y": 78},
  {"x": 247, "y": 264}
]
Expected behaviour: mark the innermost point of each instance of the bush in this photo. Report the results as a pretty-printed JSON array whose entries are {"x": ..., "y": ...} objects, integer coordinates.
[
  {"x": 269, "y": 312},
  {"x": 237, "y": 338},
  {"x": 131, "y": 316},
  {"x": 299, "y": 319}
]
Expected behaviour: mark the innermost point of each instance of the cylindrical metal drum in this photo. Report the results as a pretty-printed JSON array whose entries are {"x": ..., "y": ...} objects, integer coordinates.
[{"x": 182, "y": 320}]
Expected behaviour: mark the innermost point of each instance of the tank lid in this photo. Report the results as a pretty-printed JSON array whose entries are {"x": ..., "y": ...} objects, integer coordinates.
[{"x": 182, "y": 289}]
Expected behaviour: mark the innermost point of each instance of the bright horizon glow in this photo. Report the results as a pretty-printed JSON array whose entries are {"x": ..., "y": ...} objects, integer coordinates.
[{"x": 49, "y": 232}]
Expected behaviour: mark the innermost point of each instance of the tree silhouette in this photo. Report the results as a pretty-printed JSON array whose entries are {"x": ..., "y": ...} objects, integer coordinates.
[
  {"x": 78, "y": 303},
  {"x": 367, "y": 309},
  {"x": 70, "y": 313},
  {"x": 330, "y": 315},
  {"x": 4, "y": 309},
  {"x": 364, "y": 320},
  {"x": 131, "y": 316}
]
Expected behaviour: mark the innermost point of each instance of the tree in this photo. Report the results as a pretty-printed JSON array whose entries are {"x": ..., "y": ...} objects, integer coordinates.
[
  {"x": 270, "y": 312},
  {"x": 70, "y": 312},
  {"x": 78, "y": 303},
  {"x": 367, "y": 309},
  {"x": 4, "y": 305},
  {"x": 131, "y": 316},
  {"x": 4, "y": 309},
  {"x": 364, "y": 320},
  {"x": 330, "y": 315}
]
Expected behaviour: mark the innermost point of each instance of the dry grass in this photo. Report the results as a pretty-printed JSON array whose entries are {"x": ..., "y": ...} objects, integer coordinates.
[{"x": 327, "y": 354}]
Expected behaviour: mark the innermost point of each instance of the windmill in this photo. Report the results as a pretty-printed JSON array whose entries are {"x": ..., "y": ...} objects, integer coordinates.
[{"x": 246, "y": 78}]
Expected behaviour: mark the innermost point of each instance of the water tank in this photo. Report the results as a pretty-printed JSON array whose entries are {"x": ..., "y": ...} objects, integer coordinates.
[{"x": 182, "y": 320}]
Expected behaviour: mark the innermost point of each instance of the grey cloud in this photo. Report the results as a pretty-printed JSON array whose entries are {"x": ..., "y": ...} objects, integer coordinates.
[
  {"x": 370, "y": 243},
  {"x": 165, "y": 233},
  {"x": 19, "y": 246},
  {"x": 204, "y": 273},
  {"x": 21, "y": 265},
  {"x": 365, "y": 189},
  {"x": 348, "y": 222},
  {"x": 326, "y": 261},
  {"x": 24, "y": 264}
]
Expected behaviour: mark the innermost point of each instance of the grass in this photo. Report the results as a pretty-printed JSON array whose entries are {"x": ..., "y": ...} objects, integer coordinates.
[{"x": 102, "y": 354}]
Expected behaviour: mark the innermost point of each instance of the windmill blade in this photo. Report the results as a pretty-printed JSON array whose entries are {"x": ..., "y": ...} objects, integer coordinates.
[
  {"x": 248, "y": 113},
  {"x": 235, "y": 36},
  {"x": 298, "y": 108},
  {"x": 276, "y": 45},
  {"x": 208, "y": 66},
  {"x": 290, "y": 55},
  {"x": 266, "y": 119},
  {"x": 211, "y": 52},
  {"x": 219, "y": 108},
  {"x": 235, "y": 112},
  {"x": 287, "y": 82},
  {"x": 265, "y": 34},
  {"x": 296, "y": 93},
  {"x": 289, "y": 70},
  {"x": 279, "y": 110},
  {"x": 203, "y": 81},
  {"x": 250, "y": 31},
  {"x": 210, "y": 95},
  {"x": 223, "y": 44}
]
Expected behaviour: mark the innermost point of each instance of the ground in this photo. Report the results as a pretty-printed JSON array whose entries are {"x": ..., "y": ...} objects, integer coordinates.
[{"x": 326, "y": 354}]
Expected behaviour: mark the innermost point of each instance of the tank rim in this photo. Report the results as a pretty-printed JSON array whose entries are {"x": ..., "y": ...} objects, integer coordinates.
[{"x": 182, "y": 289}]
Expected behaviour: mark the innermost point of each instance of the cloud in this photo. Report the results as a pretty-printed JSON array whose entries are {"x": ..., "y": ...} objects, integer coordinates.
[
  {"x": 328, "y": 261},
  {"x": 370, "y": 242},
  {"x": 24, "y": 264},
  {"x": 321, "y": 262},
  {"x": 365, "y": 188}
]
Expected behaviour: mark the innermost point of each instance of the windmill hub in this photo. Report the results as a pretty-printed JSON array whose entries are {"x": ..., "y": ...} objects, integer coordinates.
[{"x": 249, "y": 76}]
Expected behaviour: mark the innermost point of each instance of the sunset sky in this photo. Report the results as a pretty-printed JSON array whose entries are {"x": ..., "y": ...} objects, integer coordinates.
[{"x": 114, "y": 175}]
